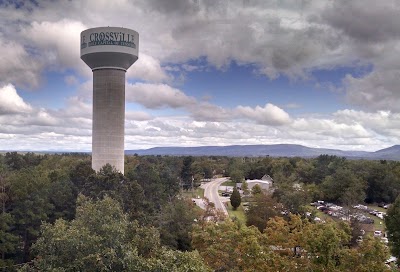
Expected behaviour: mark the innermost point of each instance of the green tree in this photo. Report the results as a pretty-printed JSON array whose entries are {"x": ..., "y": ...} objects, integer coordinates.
[
  {"x": 245, "y": 188},
  {"x": 62, "y": 196},
  {"x": 323, "y": 247},
  {"x": 261, "y": 209},
  {"x": 229, "y": 246},
  {"x": 158, "y": 182},
  {"x": 392, "y": 221},
  {"x": 101, "y": 238},
  {"x": 80, "y": 174},
  {"x": 344, "y": 187},
  {"x": 186, "y": 173},
  {"x": 237, "y": 176},
  {"x": 368, "y": 257},
  {"x": 256, "y": 190},
  {"x": 8, "y": 241},
  {"x": 104, "y": 183},
  {"x": 176, "y": 221},
  {"x": 30, "y": 206},
  {"x": 235, "y": 198},
  {"x": 304, "y": 170},
  {"x": 294, "y": 197},
  {"x": 326, "y": 243},
  {"x": 15, "y": 161}
]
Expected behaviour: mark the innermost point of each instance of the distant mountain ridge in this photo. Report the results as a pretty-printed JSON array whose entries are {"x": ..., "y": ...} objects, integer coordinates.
[{"x": 278, "y": 150}]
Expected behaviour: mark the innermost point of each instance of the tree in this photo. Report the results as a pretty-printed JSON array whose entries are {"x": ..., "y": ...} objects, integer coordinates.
[
  {"x": 392, "y": 221},
  {"x": 62, "y": 195},
  {"x": 176, "y": 221},
  {"x": 237, "y": 176},
  {"x": 261, "y": 209},
  {"x": 104, "y": 183},
  {"x": 8, "y": 241},
  {"x": 344, "y": 187},
  {"x": 256, "y": 190},
  {"x": 325, "y": 165},
  {"x": 80, "y": 174},
  {"x": 229, "y": 246},
  {"x": 30, "y": 205},
  {"x": 186, "y": 173},
  {"x": 235, "y": 198},
  {"x": 245, "y": 188},
  {"x": 101, "y": 238},
  {"x": 295, "y": 199},
  {"x": 324, "y": 247},
  {"x": 368, "y": 257}
]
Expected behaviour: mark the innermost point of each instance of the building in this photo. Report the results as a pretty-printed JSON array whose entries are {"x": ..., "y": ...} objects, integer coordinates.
[{"x": 265, "y": 183}]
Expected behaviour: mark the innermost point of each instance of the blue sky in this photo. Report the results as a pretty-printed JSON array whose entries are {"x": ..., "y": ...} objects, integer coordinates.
[{"x": 316, "y": 73}]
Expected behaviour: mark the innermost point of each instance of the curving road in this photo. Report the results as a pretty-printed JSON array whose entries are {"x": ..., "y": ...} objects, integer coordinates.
[{"x": 211, "y": 192}]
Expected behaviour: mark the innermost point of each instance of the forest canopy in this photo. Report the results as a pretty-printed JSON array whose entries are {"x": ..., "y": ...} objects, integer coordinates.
[{"x": 55, "y": 207}]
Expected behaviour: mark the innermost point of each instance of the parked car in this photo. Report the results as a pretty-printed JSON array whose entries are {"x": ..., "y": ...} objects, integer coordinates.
[
  {"x": 377, "y": 233},
  {"x": 387, "y": 206},
  {"x": 380, "y": 215}
]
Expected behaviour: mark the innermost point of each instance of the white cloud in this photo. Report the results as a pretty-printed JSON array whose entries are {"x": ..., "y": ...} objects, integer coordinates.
[
  {"x": 267, "y": 115},
  {"x": 292, "y": 38},
  {"x": 17, "y": 66},
  {"x": 76, "y": 107},
  {"x": 11, "y": 102},
  {"x": 56, "y": 42},
  {"x": 137, "y": 116},
  {"x": 378, "y": 90},
  {"x": 147, "y": 68},
  {"x": 155, "y": 96},
  {"x": 380, "y": 122},
  {"x": 365, "y": 20},
  {"x": 205, "y": 111},
  {"x": 328, "y": 127}
]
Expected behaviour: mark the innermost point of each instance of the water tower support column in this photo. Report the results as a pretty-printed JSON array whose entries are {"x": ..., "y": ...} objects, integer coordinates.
[{"x": 108, "y": 118}]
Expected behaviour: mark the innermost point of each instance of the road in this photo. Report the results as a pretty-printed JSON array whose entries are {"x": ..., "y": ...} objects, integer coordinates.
[{"x": 211, "y": 192}]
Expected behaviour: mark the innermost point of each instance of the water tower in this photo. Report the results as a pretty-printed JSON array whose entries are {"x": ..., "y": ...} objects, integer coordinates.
[{"x": 109, "y": 52}]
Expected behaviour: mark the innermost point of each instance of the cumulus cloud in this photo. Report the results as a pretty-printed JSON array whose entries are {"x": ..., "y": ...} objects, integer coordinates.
[
  {"x": 267, "y": 115},
  {"x": 155, "y": 96},
  {"x": 147, "y": 68},
  {"x": 76, "y": 107},
  {"x": 279, "y": 37},
  {"x": 18, "y": 66},
  {"x": 380, "y": 122},
  {"x": 56, "y": 42},
  {"x": 365, "y": 20},
  {"x": 328, "y": 127},
  {"x": 375, "y": 91},
  {"x": 205, "y": 111},
  {"x": 137, "y": 116},
  {"x": 291, "y": 38},
  {"x": 11, "y": 102}
]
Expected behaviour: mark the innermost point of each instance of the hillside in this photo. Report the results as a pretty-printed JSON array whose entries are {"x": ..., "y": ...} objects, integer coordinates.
[{"x": 279, "y": 150}]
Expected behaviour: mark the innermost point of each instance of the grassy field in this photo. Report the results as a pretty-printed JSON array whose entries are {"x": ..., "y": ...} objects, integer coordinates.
[
  {"x": 228, "y": 183},
  {"x": 239, "y": 213},
  {"x": 379, "y": 224},
  {"x": 198, "y": 192},
  {"x": 375, "y": 207}
]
